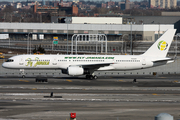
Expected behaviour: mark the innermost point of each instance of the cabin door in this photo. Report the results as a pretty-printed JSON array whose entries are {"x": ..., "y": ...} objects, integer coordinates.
[
  {"x": 21, "y": 62},
  {"x": 54, "y": 61},
  {"x": 143, "y": 61}
]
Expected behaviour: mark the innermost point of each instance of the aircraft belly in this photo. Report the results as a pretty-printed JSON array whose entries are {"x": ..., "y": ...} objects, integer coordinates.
[
  {"x": 128, "y": 66},
  {"x": 63, "y": 66}
]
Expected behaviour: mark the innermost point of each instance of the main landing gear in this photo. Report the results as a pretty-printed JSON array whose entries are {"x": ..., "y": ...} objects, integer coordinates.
[
  {"x": 134, "y": 81},
  {"x": 91, "y": 77}
]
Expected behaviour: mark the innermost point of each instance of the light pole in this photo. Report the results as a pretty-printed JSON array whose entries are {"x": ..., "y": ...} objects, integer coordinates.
[
  {"x": 9, "y": 41},
  {"x": 67, "y": 21},
  {"x": 123, "y": 42},
  {"x": 11, "y": 17},
  {"x": 131, "y": 38},
  {"x": 159, "y": 31},
  {"x": 67, "y": 39},
  {"x": 28, "y": 45},
  {"x": 177, "y": 35}
]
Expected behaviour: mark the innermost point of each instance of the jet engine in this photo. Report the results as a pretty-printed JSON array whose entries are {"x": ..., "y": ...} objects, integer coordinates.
[{"x": 75, "y": 70}]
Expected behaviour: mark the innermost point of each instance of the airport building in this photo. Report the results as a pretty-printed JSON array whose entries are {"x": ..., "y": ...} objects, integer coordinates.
[
  {"x": 165, "y": 19},
  {"x": 114, "y": 32},
  {"x": 87, "y": 20}
]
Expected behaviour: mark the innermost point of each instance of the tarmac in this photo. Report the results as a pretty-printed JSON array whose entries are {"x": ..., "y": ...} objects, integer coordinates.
[
  {"x": 104, "y": 98},
  {"x": 113, "y": 96}
]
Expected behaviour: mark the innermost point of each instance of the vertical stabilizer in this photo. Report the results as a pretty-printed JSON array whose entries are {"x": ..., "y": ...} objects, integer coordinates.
[{"x": 162, "y": 45}]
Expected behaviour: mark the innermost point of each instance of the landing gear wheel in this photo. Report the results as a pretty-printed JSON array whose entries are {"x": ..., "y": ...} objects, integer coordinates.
[
  {"x": 23, "y": 76},
  {"x": 91, "y": 77},
  {"x": 87, "y": 76},
  {"x": 134, "y": 81},
  {"x": 95, "y": 77}
]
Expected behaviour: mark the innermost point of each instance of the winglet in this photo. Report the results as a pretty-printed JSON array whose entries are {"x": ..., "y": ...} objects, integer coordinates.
[{"x": 162, "y": 45}]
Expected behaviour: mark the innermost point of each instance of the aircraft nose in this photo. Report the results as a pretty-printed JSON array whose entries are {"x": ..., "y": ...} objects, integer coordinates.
[{"x": 5, "y": 65}]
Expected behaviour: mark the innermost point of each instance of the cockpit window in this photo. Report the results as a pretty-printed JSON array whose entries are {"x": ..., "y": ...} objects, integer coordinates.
[{"x": 10, "y": 60}]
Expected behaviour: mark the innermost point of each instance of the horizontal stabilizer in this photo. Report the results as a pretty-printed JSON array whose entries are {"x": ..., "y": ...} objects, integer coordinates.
[{"x": 162, "y": 60}]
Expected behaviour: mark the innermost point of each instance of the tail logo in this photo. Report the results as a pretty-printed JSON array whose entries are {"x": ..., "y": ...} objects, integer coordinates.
[{"x": 162, "y": 45}]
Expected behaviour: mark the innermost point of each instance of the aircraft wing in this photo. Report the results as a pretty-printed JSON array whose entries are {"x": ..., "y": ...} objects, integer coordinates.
[{"x": 94, "y": 66}]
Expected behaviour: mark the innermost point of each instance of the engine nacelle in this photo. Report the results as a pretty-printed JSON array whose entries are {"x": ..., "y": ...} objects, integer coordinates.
[{"x": 75, "y": 70}]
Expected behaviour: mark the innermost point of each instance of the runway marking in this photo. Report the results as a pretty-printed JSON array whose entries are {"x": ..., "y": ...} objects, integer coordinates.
[
  {"x": 69, "y": 80},
  {"x": 23, "y": 80},
  {"x": 120, "y": 80},
  {"x": 34, "y": 88},
  {"x": 154, "y": 94}
]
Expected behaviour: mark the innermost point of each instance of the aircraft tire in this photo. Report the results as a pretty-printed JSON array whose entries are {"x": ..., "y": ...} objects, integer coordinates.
[
  {"x": 95, "y": 77},
  {"x": 91, "y": 77},
  {"x": 87, "y": 76},
  {"x": 23, "y": 76}
]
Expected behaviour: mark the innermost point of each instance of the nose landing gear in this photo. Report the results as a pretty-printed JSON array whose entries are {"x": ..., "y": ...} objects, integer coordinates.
[{"x": 22, "y": 73}]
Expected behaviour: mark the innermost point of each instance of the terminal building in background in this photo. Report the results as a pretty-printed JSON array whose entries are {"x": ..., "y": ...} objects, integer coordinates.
[
  {"x": 114, "y": 32},
  {"x": 113, "y": 27},
  {"x": 87, "y": 20},
  {"x": 142, "y": 28}
]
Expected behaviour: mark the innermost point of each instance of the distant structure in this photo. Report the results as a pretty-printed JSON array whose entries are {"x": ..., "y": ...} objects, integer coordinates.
[
  {"x": 88, "y": 20},
  {"x": 27, "y": 3},
  {"x": 43, "y": 2},
  {"x": 127, "y": 4},
  {"x": 75, "y": 1},
  {"x": 72, "y": 10},
  {"x": 114, "y": 32},
  {"x": 162, "y": 3},
  {"x": 123, "y": 6},
  {"x": 155, "y": 20},
  {"x": 170, "y": 13},
  {"x": 19, "y": 5},
  {"x": 61, "y": 3}
]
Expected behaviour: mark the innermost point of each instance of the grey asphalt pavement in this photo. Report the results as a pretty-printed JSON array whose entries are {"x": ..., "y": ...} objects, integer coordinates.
[{"x": 108, "y": 99}]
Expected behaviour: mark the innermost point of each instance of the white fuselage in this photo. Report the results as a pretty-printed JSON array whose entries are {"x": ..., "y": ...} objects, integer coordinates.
[{"x": 117, "y": 62}]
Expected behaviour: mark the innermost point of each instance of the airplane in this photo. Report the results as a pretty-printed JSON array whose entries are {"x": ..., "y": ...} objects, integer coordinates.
[{"x": 77, "y": 65}]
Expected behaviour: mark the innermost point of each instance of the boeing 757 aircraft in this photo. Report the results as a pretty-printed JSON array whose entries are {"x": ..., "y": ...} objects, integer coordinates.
[{"x": 76, "y": 65}]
